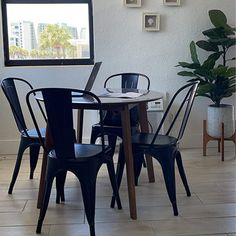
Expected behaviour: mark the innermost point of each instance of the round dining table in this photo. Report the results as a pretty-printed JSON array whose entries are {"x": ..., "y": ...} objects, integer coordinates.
[{"x": 122, "y": 101}]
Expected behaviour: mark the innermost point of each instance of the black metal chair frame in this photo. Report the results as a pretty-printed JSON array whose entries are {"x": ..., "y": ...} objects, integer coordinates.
[
  {"x": 165, "y": 148},
  {"x": 28, "y": 137},
  {"x": 84, "y": 160},
  {"x": 114, "y": 129}
]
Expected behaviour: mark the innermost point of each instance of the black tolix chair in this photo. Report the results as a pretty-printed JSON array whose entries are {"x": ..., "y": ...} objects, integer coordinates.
[
  {"x": 84, "y": 160},
  {"x": 112, "y": 119},
  {"x": 165, "y": 148},
  {"x": 28, "y": 137}
]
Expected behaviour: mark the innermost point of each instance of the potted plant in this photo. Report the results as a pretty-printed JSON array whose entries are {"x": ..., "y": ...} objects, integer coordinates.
[{"x": 217, "y": 77}]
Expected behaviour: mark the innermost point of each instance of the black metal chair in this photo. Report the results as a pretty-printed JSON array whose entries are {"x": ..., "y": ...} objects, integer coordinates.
[
  {"x": 165, "y": 148},
  {"x": 112, "y": 119},
  {"x": 84, "y": 160},
  {"x": 28, "y": 137}
]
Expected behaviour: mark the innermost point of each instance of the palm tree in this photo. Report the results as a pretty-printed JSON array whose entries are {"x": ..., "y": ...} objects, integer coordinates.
[{"x": 55, "y": 39}]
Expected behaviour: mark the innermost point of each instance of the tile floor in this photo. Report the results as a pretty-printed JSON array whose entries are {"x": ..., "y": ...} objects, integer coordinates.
[{"x": 211, "y": 210}]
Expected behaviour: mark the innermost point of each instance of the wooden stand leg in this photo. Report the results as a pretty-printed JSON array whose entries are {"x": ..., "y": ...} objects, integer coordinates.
[
  {"x": 218, "y": 145},
  {"x": 221, "y": 140},
  {"x": 204, "y": 138},
  {"x": 234, "y": 140}
]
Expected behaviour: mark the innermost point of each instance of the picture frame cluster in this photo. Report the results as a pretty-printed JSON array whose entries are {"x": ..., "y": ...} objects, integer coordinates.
[
  {"x": 138, "y": 3},
  {"x": 150, "y": 20}
]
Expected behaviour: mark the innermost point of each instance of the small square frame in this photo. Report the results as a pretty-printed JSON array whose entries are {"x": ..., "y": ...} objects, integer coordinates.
[
  {"x": 132, "y": 3},
  {"x": 151, "y": 21},
  {"x": 171, "y": 2}
]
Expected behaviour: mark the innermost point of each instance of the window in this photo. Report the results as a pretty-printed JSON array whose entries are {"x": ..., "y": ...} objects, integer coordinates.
[{"x": 47, "y": 32}]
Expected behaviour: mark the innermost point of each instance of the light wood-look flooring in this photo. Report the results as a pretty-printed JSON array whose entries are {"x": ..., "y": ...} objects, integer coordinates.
[{"x": 211, "y": 210}]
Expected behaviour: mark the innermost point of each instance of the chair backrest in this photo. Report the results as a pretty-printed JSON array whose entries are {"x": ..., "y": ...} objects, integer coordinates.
[
  {"x": 10, "y": 90},
  {"x": 59, "y": 104},
  {"x": 186, "y": 94},
  {"x": 127, "y": 81}
]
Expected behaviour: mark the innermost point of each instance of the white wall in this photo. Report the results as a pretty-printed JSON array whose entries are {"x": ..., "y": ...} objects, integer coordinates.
[{"x": 123, "y": 47}]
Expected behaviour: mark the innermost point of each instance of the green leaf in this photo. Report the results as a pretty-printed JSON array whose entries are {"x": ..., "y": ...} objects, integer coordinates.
[
  {"x": 215, "y": 56},
  {"x": 202, "y": 72},
  {"x": 193, "y": 52},
  {"x": 229, "y": 30},
  {"x": 205, "y": 88},
  {"x": 189, "y": 65},
  {"x": 215, "y": 33},
  {"x": 207, "y": 46},
  {"x": 227, "y": 94},
  {"x": 232, "y": 78},
  {"x": 231, "y": 42},
  {"x": 232, "y": 82},
  {"x": 231, "y": 90},
  {"x": 210, "y": 62},
  {"x": 220, "y": 41},
  {"x": 231, "y": 72},
  {"x": 218, "y": 18},
  {"x": 186, "y": 73},
  {"x": 220, "y": 71}
]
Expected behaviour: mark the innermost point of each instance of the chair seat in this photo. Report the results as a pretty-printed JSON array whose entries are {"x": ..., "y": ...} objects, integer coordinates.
[
  {"x": 84, "y": 152},
  {"x": 146, "y": 139}
]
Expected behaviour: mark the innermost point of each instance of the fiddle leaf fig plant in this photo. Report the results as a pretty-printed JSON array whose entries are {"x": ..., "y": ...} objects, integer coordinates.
[{"x": 217, "y": 78}]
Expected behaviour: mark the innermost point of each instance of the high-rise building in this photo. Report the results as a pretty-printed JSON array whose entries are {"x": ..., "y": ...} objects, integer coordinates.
[
  {"x": 22, "y": 34},
  {"x": 71, "y": 30},
  {"x": 83, "y": 33}
]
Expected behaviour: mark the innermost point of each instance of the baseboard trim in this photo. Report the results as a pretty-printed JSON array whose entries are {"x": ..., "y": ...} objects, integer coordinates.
[{"x": 10, "y": 147}]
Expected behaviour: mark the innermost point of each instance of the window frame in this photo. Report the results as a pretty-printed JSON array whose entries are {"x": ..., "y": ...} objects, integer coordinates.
[{"x": 46, "y": 62}]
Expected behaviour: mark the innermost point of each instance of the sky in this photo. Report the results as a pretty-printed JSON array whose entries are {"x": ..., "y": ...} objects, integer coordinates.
[{"x": 75, "y": 15}]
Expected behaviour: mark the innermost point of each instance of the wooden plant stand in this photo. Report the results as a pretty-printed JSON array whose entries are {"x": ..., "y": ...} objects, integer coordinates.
[{"x": 207, "y": 138}]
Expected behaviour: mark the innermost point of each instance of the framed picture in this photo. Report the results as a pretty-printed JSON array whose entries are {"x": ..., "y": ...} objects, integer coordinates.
[
  {"x": 151, "y": 21},
  {"x": 171, "y": 2},
  {"x": 132, "y": 3}
]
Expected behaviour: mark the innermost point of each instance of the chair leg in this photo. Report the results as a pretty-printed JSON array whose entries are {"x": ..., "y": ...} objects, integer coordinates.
[
  {"x": 182, "y": 173},
  {"x": 44, "y": 207},
  {"x": 34, "y": 153},
  {"x": 94, "y": 135},
  {"x": 138, "y": 162},
  {"x": 112, "y": 143},
  {"x": 60, "y": 184},
  {"x": 112, "y": 176},
  {"x": 92, "y": 230},
  {"x": 144, "y": 163},
  {"x": 167, "y": 162},
  {"x": 119, "y": 171},
  {"x": 21, "y": 150},
  {"x": 88, "y": 192}
]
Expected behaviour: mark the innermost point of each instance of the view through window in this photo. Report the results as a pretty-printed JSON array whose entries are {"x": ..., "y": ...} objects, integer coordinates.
[{"x": 56, "y": 32}]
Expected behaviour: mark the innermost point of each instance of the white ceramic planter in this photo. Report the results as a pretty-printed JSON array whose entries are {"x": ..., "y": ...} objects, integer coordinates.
[{"x": 217, "y": 115}]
